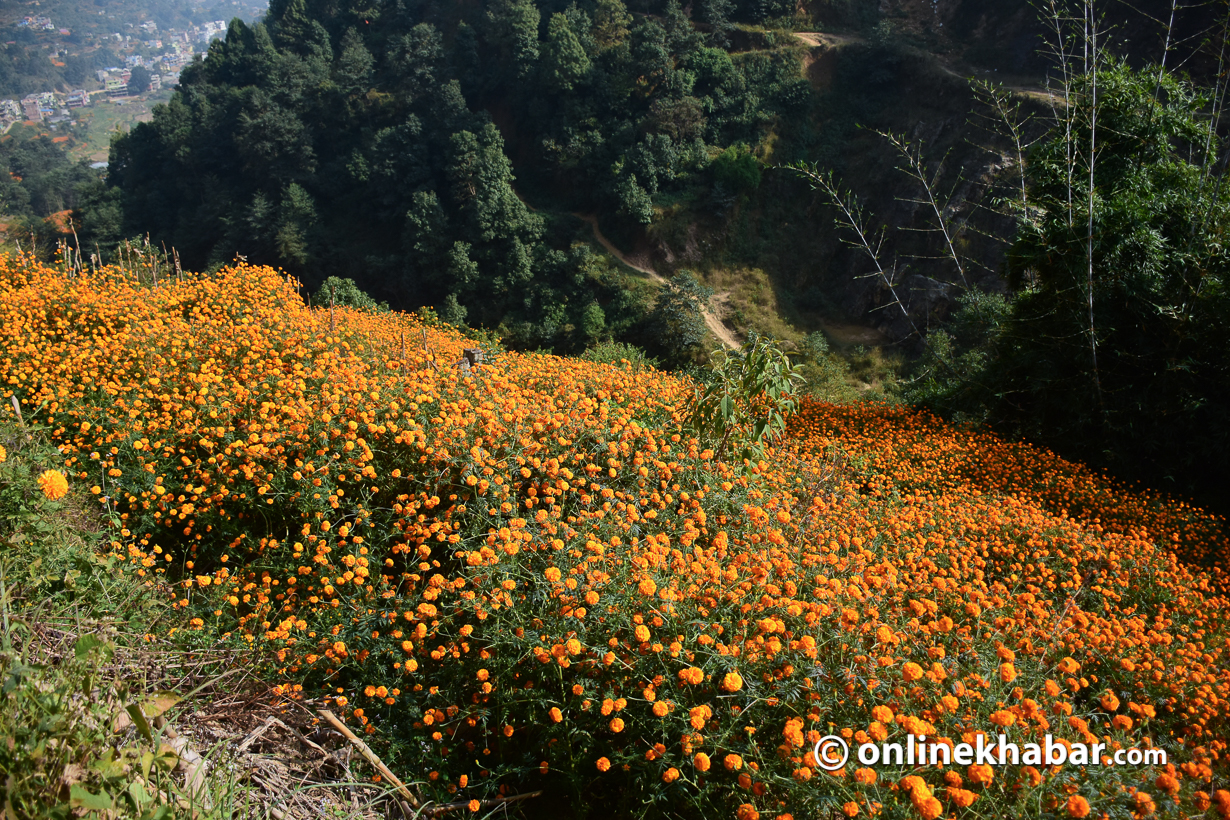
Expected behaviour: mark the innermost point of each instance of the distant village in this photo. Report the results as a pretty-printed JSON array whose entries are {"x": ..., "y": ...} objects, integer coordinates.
[{"x": 174, "y": 49}]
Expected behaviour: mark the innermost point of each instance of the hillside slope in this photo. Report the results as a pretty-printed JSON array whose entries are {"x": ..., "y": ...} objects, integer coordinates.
[{"x": 530, "y": 576}]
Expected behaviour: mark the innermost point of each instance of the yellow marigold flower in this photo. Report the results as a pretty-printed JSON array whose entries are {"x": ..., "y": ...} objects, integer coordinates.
[
  {"x": 3, "y": 454},
  {"x": 53, "y": 484}
]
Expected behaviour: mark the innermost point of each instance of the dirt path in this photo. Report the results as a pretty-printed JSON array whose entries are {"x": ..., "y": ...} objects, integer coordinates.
[
  {"x": 712, "y": 322},
  {"x": 820, "y": 38}
]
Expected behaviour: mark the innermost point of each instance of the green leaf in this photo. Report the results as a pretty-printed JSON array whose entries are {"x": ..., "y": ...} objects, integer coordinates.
[
  {"x": 159, "y": 702},
  {"x": 88, "y": 643},
  {"x": 80, "y": 798},
  {"x": 138, "y": 718}
]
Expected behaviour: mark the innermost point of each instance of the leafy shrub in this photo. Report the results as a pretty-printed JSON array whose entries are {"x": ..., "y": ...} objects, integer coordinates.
[{"x": 737, "y": 169}]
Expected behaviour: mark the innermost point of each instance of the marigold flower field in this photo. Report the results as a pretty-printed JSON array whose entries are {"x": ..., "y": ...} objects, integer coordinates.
[{"x": 530, "y": 576}]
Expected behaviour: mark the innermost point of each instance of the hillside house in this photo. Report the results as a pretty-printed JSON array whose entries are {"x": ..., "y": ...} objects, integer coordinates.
[{"x": 30, "y": 109}]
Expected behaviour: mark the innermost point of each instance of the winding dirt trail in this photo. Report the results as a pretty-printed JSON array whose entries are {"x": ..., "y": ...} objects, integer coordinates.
[
  {"x": 712, "y": 322},
  {"x": 820, "y": 39}
]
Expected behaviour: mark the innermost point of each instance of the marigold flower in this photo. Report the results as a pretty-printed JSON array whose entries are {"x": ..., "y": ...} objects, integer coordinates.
[
  {"x": 732, "y": 682},
  {"x": 603, "y": 764},
  {"x": 911, "y": 672},
  {"x": 747, "y": 811},
  {"x": 1109, "y": 702},
  {"x": 53, "y": 484},
  {"x": 732, "y": 762},
  {"x": 617, "y": 725},
  {"x": 556, "y": 715},
  {"x": 692, "y": 675},
  {"x": 670, "y": 775},
  {"x": 980, "y": 773},
  {"x": 1007, "y": 672},
  {"x": 701, "y": 762}
]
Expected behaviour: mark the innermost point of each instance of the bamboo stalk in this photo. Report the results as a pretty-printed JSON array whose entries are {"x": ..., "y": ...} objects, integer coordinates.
[{"x": 370, "y": 756}]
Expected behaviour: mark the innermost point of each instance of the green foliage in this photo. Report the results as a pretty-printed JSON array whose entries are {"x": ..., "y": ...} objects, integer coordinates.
[
  {"x": 737, "y": 169},
  {"x": 361, "y": 147},
  {"x": 746, "y": 404},
  {"x": 60, "y": 755},
  {"x": 345, "y": 292},
  {"x": 676, "y": 324},
  {"x": 1139, "y": 281},
  {"x": 564, "y": 60},
  {"x": 619, "y": 353}
]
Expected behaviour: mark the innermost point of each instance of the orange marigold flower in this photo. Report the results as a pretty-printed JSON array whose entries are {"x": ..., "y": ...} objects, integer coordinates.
[
  {"x": 670, "y": 775},
  {"x": 747, "y": 811},
  {"x": 732, "y": 762},
  {"x": 850, "y": 809},
  {"x": 661, "y": 708},
  {"x": 962, "y": 797},
  {"x": 981, "y": 774},
  {"x": 474, "y": 805},
  {"x": 732, "y": 682},
  {"x": 1007, "y": 672},
  {"x": 603, "y": 764},
  {"x": 53, "y": 484},
  {"x": 617, "y": 725},
  {"x": 911, "y": 672},
  {"x": 556, "y": 715},
  {"x": 701, "y": 762},
  {"x": 692, "y": 675},
  {"x": 865, "y": 776},
  {"x": 1109, "y": 702}
]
